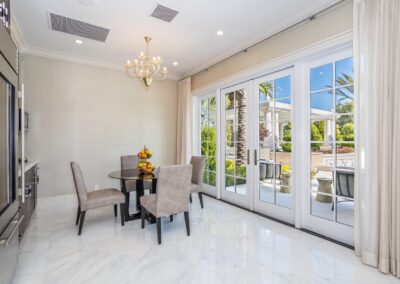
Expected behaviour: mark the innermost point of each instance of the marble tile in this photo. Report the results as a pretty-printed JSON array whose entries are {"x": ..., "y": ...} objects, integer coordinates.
[{"x": 227, "y": 245}]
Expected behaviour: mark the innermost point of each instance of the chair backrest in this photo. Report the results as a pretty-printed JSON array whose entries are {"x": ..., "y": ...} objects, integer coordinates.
[
  {"x": 345, "y": 183},
  {"x": 199, "y": 165},
  {"x": 173, "y": 189},
  {"x": 129, "y": 162},
  {"x": 81, "y": 189}
]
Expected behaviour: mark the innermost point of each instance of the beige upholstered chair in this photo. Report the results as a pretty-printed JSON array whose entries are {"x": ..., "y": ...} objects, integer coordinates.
[
  {"x": 129, "y": 162},
  {"x": 172, "y": 196},
  {"x": 199, "y": 164},
  {"x": 96, "y": 199}
]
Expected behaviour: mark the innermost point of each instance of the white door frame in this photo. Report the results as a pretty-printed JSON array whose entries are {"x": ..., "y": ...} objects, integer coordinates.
[{"x": 244, "y": 201}]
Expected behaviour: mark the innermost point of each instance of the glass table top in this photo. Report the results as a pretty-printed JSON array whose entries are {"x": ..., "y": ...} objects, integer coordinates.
[{"x": 133, "y": 174}]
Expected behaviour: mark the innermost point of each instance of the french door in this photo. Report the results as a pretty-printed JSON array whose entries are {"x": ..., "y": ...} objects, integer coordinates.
[
  {"x": 272, "y": 144},
  {"x": 328, "y": 141},
  {"x": 236, "y": 169},
  {"x": 293, "y": 161},
  {"x": 257, "y": 146}
]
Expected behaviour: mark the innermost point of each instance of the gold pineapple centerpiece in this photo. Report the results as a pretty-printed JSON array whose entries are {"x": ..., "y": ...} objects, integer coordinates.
[{"x": 143, "y": 165}]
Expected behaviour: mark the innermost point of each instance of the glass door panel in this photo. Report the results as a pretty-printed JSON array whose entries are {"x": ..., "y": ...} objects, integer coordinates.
[
  {"x": 208, "y": 139},
  {"x": 331, "y": 148},
  {"x": 235, "y": 128},
  {"x": 273, "y": 146}
]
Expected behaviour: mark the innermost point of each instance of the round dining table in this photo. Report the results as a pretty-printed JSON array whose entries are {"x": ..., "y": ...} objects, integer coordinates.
[{"x": 140, "y": 178}]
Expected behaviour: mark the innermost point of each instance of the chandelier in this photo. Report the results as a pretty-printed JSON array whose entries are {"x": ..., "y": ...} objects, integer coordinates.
[{"x": 145, "y": 67}]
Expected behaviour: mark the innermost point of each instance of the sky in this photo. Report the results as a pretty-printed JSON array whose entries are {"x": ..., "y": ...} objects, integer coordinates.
[{"x": 321, "y": 81}]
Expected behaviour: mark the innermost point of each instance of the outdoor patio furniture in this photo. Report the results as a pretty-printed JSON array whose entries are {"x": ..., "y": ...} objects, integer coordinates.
[
  {"x": 344, "y": 184},
  {"x": 267, "y": 170},
  {"x": 324, "y": 186},
  {"x": 286, "y": 186}
]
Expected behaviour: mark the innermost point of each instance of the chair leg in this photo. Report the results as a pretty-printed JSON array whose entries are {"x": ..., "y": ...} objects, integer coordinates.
[
  {"x": 187, "y": 223},
  {"x": 143, "y": 215},
  {"x": 82, "y": 219},
  {"x": 201, "y": 199},
  {"x": 122, "y": 210},
  {"x": 190, "y": 198},
  {"x": 171, "y": 218},
  {"x": 78, "y": 215},
  {"x": 159, "y": 230},
  {"x": 115, "y": 210}
]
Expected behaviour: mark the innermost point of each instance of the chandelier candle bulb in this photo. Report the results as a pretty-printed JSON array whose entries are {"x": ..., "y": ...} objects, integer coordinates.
[{"x": 147, "y": 67}]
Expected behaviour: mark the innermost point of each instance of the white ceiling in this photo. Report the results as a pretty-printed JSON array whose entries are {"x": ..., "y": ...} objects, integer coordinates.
[{"x": 189, "y": 39}]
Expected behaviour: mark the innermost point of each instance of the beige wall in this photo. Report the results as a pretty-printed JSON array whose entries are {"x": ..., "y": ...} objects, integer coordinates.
[
  {"x": 326, "y": 25},
  {"x": 93, "y": 115}
]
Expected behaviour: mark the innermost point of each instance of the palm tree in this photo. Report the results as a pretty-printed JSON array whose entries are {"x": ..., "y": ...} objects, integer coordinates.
[
  {"x": 241, "y": 125},
  {"x": 345, "y": 92},
  {"x": 266, "y": 89}
]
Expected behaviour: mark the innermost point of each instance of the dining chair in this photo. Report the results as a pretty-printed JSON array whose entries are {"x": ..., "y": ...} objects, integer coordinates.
[
  {"x": 171, "y": 197},
  {"x": 95, "y": 199},
  {"x": 129, "y": 162},
  {"x": 199, "y": 164}
]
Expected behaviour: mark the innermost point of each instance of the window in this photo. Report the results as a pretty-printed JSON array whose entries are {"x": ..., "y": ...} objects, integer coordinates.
[
  {"x": 332, "y": 141},
  {"x": 208, "y": 136},
  {"x": 275, "y": 141}
]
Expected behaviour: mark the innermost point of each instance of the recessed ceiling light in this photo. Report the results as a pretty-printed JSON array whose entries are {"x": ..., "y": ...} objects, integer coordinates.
[
  {"x": 88, "y": 2},
  {"x": 175, "y": 63},
  {"x": 78, "y": 41},
  {"x": 220, "y": 33}
]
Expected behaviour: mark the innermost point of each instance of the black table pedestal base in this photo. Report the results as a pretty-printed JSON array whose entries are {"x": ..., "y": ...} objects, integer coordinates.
[{"x": 139, "y": 192}]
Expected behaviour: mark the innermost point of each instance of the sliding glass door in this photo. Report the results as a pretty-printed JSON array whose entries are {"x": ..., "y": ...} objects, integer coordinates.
[
  {"x": 235, "y": 151},
  {"x": 272, "y": 144}
]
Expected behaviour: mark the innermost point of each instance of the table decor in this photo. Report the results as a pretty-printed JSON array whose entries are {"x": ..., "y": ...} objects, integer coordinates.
[{"x": 144, "y": 166}]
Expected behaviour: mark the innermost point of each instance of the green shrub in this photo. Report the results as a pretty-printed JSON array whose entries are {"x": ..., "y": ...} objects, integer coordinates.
[
  {"x": 315, "y": 136},
  {"x": 287, "y": 136}
]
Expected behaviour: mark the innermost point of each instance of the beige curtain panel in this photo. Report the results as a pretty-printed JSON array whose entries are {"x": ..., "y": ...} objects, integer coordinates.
[
  {"x": 184, "y": 127},
  {"x": 377, "y": 91}
]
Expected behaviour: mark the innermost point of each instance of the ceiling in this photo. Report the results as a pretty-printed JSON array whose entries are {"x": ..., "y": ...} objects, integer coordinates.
[{"x": 190, "y": 39}]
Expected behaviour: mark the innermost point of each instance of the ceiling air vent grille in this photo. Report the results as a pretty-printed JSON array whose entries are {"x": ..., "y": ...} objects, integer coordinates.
[
  {"x": 164, "y": 13},
  {"x": 78, "y": 28}
]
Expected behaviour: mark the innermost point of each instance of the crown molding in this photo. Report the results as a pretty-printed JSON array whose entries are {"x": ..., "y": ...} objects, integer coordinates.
[
  {"x": 66, "y": 57},
  {"x": 16, "y": 34},
  {"x": 25, "y": 48}
]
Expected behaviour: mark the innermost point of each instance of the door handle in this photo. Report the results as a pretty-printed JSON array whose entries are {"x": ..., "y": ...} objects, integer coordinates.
[
  {"x": 4, "y": 241},
  {"x": 255, "y": 157},
  {"x": 248, "y": 156}
]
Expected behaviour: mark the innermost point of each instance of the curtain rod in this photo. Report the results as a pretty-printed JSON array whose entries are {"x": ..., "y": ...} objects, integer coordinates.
[{"x": 311, "y": 18}]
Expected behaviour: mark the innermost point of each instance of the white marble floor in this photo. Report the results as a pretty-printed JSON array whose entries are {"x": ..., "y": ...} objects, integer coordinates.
[{"x": 227, "y": 245}]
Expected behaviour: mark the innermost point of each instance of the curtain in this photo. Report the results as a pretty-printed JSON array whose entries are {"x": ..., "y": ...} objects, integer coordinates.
[
  {"x": 377, "y": 97},
  {"x": 184, "y": 129}
]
